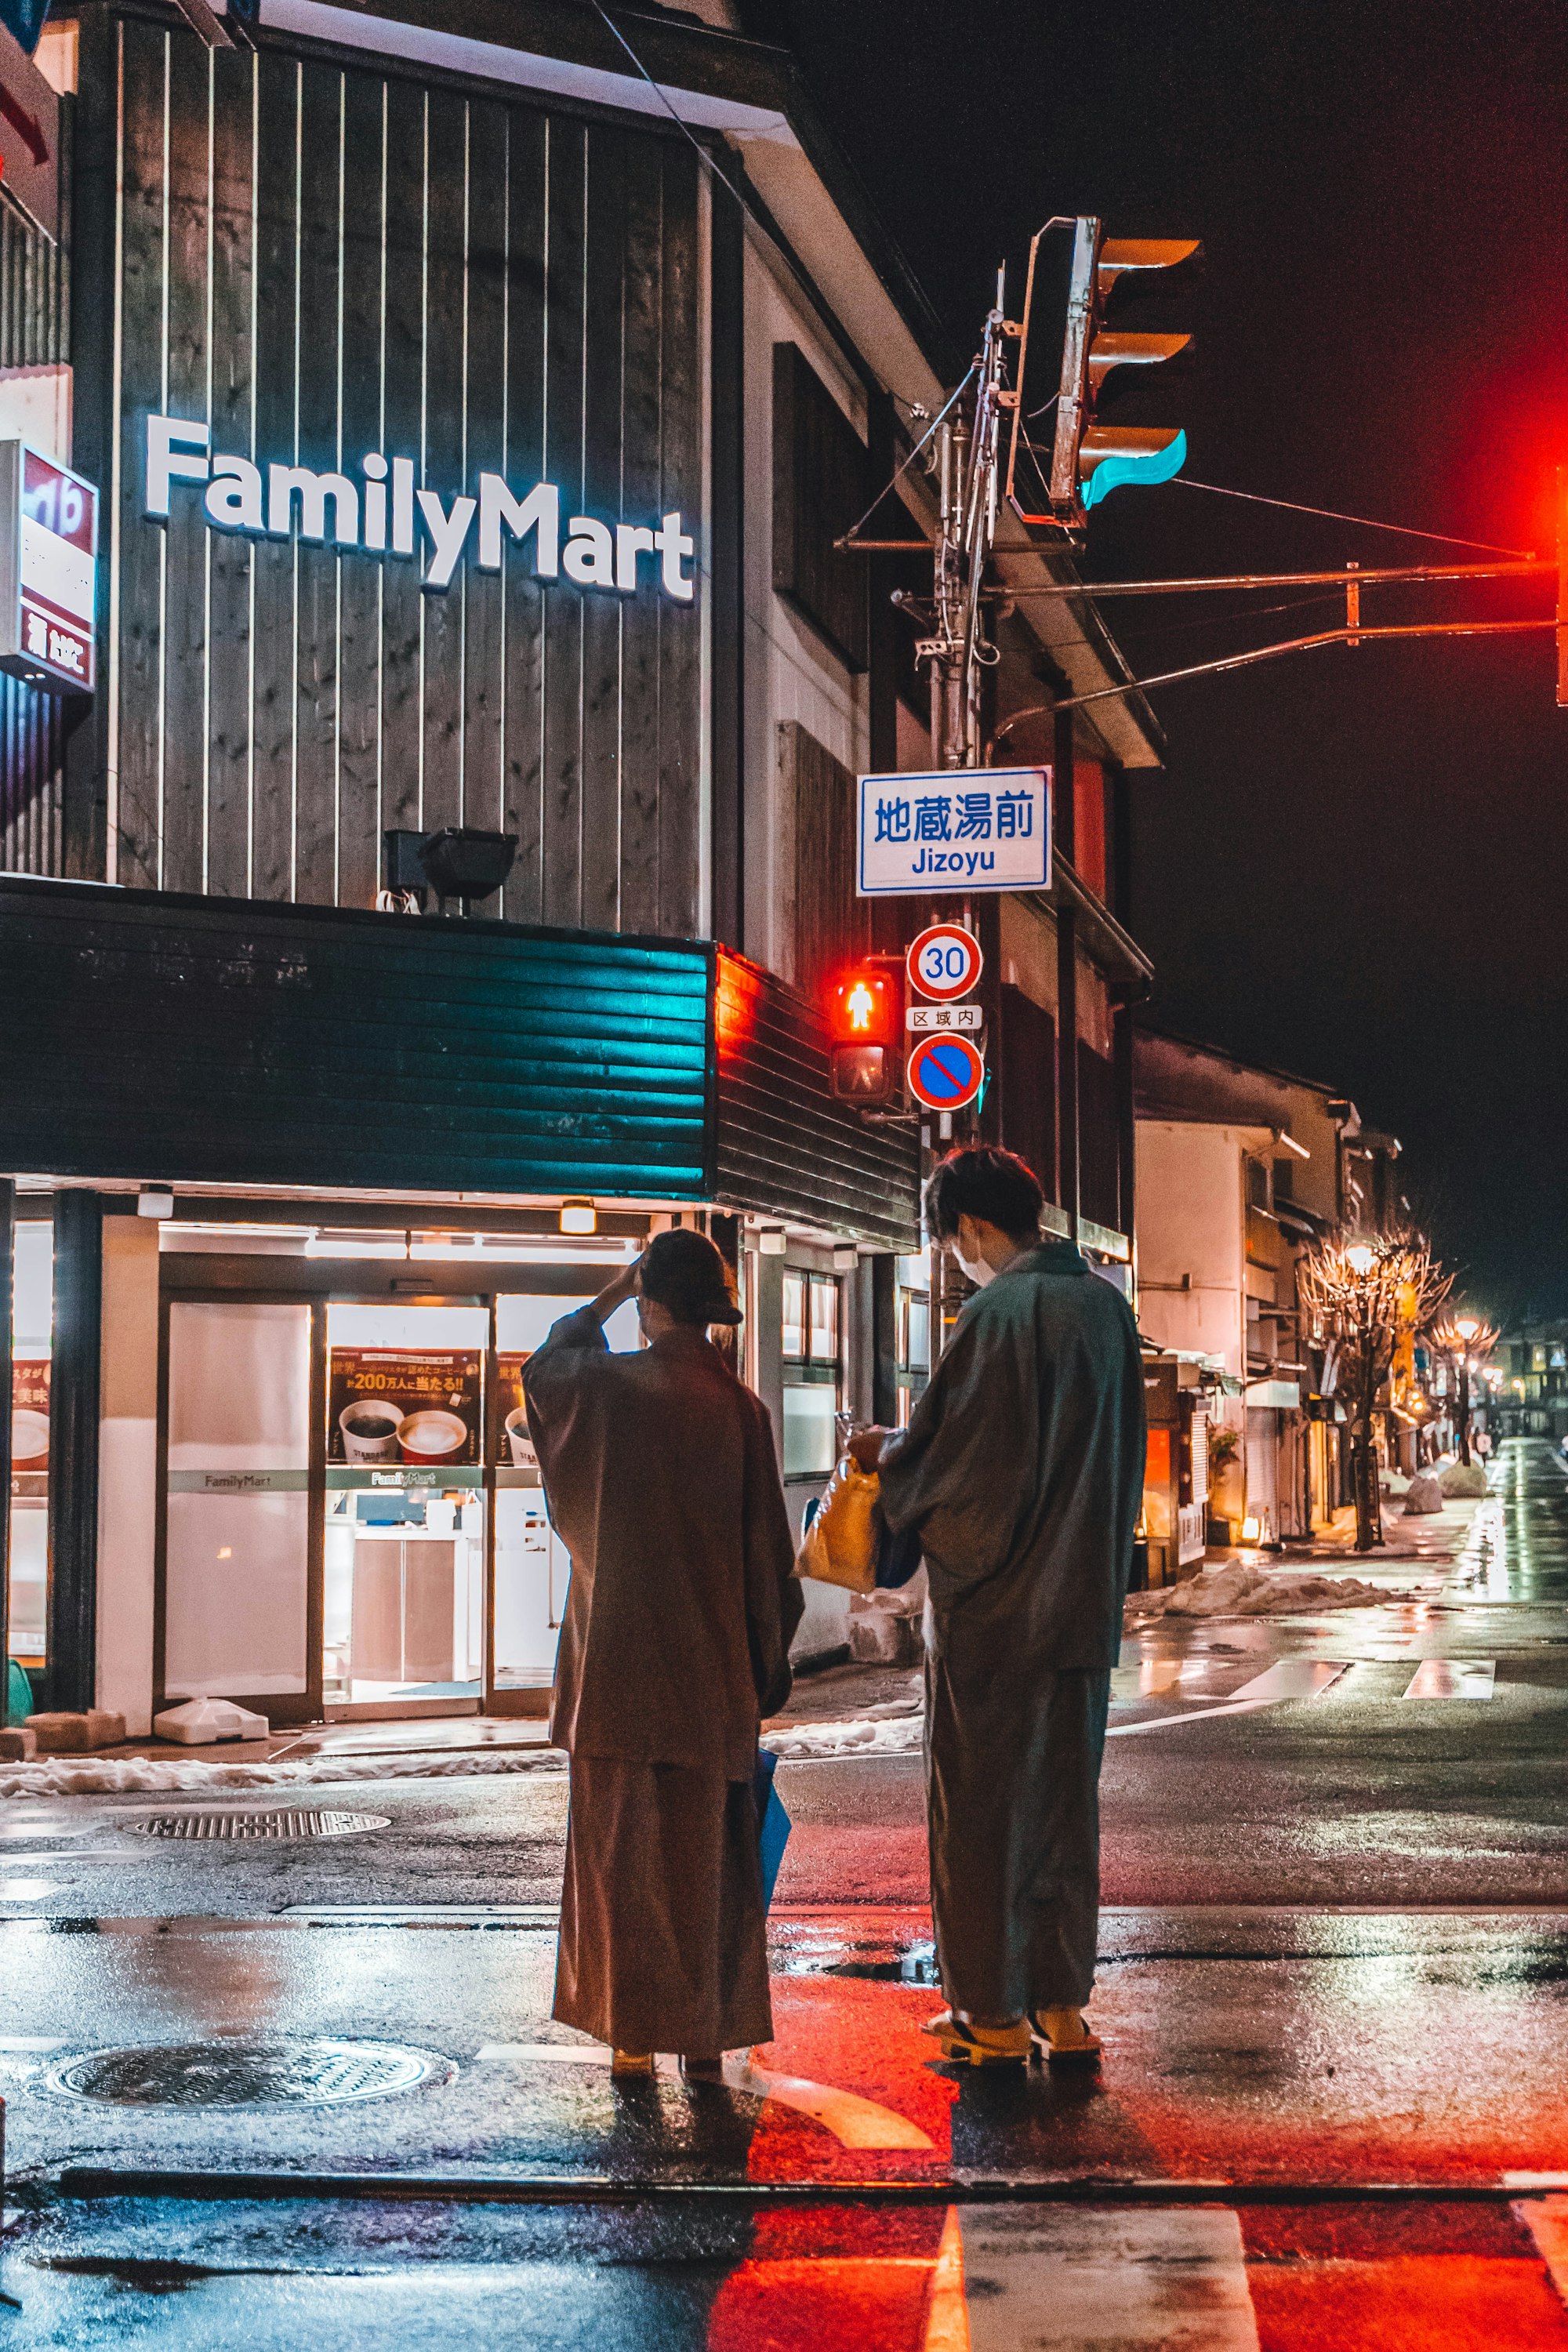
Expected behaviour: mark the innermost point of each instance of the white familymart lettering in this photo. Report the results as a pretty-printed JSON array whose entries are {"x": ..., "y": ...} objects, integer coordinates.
[{"x": 384, "y": 513}]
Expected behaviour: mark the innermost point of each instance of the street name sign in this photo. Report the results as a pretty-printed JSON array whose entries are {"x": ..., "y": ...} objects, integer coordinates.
[
  {"x": 943, "y": 961},
  {"x": 944, "y": 1073},
  {"x": 925, "y": 1019},
  {"x": 960, "y": 830},
  {"x": 48, "y": 569}
]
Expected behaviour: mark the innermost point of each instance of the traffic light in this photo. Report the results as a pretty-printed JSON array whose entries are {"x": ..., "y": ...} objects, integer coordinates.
[
  {"x": 1089, "y": 459},
  {"x": 863, "y": 1013}
]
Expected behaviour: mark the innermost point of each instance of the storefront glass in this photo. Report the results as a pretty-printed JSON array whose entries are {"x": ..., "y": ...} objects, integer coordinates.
[
  {"x": 31, "y": 1330},
  {"x": 402, "y": 1605},
  {"x": 236, "y": 1558},
  {"x": 531, "y": 1562}
]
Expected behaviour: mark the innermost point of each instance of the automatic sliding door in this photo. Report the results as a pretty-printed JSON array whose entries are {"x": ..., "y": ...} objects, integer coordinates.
[{"x": 236, "y": 1554}]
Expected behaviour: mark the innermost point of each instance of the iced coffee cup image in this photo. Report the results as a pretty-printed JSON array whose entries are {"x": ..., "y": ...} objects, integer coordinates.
[
  {"x": 369, "y": 1426},
  {"x": 432, "y": 1435},
  {"x": 519, "y": 1444}
]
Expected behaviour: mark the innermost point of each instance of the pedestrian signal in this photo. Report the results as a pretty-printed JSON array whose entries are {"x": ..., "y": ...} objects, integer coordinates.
[{"x": 863, "y": 1019}]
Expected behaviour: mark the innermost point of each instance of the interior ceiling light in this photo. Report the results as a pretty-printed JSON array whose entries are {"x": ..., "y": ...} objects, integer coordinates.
[
  {"x": 579, "y": 1217},
  {"x": 771, "y": 1241}
]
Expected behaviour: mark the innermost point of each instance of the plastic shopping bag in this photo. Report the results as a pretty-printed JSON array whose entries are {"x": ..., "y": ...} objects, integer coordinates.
[{"x": 841, "y": 1543}]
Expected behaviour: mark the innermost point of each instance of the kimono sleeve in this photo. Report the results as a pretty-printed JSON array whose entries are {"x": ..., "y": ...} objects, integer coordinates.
[
  {"x": 775, "y": 1602},
  {"x": 959, "y": 1472},
  {"x": 562, "y": 1419}
]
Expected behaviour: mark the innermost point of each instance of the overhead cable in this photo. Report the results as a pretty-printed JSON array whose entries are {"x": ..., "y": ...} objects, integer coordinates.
[{"x": 1367, "y": 522}]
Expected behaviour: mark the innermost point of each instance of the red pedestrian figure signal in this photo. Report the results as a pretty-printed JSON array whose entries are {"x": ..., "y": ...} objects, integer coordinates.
[
  {"x": 946, "y": 1071},
  {"x": 864, "y": 1014}
]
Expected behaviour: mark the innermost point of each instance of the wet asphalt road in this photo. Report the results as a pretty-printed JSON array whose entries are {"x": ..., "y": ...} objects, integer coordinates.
[{"x": 1333, "y": 1955}]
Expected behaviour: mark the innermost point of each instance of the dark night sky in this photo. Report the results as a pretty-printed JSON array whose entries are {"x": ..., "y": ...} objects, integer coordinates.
[{"x": 1354, "y": 865}]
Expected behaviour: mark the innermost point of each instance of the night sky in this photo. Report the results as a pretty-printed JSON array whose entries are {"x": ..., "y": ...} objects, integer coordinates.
[{"x": 1354, "y": 865}]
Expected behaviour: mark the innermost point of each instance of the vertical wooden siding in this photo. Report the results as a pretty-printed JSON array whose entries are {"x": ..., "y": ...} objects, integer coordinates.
[
  {"x": 324, "y": 261},
  {"x": 34, "y": 331}
]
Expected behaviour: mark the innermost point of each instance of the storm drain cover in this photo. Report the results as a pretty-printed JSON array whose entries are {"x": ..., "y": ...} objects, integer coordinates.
[
  {"x": 313, "y": 2073},
  {"x": 308, "y": 1823}
]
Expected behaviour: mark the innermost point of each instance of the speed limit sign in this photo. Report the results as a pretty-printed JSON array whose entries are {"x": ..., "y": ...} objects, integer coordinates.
[{"x": 944, "y": 962}]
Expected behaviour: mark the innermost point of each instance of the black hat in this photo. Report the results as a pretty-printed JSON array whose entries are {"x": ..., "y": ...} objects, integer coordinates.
[{"x": 682, "y": 1271}]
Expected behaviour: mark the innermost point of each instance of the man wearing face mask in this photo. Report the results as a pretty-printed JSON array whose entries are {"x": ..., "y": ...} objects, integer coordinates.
[
  {"x": 662, "y": 1482},
  {"x": 1022, "y": 1468}
]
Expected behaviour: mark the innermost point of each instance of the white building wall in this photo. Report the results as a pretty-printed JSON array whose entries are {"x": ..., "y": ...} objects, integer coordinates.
[
  {"x": 128, "y": 1471},
  {"x": 1192, "y": 1238},
  {"x": 788, "y": 672}
]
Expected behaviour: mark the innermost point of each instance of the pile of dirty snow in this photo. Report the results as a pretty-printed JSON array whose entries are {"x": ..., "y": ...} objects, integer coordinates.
[
  {"x": 860, "y": 1737},
  {"x": 111, "y": 1776},
  {"x": 1241, "y": 1589}
]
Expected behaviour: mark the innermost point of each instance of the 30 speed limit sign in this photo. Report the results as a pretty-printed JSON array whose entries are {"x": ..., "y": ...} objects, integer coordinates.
[{"x": 944, "y": 962}]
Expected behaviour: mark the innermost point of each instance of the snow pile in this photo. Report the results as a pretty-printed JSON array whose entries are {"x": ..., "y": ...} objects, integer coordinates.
[
  {"x": 1463, "y": 1478},
  {"x": 100, "y": 1776},
  {"x": 900, "y": 1736},
  {"x": 1241, "y": 1589}
]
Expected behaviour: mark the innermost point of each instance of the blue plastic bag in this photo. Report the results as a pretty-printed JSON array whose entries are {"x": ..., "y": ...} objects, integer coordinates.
[{"x": 773, "y": 1821}]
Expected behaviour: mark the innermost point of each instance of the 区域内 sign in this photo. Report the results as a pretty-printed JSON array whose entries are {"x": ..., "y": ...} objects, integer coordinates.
[
  {"x": 48, "y": 571},
  {"x": 379, "y": 509},
  {"x": 962, "y": 829}
]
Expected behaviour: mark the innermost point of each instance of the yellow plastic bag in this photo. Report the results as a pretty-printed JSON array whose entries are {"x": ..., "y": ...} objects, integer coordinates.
[{"x": 840, "y": 1545}]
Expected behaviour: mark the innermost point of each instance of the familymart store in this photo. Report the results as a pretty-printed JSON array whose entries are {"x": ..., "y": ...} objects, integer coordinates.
[{"x": 291, "y": 1201}]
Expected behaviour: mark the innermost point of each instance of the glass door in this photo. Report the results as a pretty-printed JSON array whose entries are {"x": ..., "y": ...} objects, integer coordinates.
[
  {"x": 406, "y": 1539},
  {"x": 236, "y": 1572},
  {"x": 531, "y": 1563}
]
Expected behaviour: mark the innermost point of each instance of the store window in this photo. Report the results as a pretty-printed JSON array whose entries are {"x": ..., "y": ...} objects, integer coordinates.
[
  {"x": 913, "y": 1348},
  {"x": 31, "y": 1326},
  {"x": 812, "y": 1372}
]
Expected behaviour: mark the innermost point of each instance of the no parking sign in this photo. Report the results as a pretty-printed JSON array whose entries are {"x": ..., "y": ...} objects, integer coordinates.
[{"x": 945, "y": 1071}]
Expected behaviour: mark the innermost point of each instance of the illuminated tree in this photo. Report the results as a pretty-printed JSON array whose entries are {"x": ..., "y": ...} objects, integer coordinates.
[
  {"x": 1357, "y": 1298},
  {"x": 1467, "y": 1341}
]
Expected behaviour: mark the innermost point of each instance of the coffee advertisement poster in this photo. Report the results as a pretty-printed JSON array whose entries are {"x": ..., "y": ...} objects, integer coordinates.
[
  {"x": 516, "y": 1446},
  {"x": 424, "y": 1407},
  {"x": 29, "y": 1412}
]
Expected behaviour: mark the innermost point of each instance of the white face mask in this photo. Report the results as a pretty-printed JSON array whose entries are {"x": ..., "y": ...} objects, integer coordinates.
[{"x": 976, "y": 1269}]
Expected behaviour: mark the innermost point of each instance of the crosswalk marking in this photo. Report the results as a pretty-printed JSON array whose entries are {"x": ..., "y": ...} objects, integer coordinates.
[
  {"x": 854, "y": 2121},
  {"x": 1292, "y": 1679},
  {"x": 1060, "y": 2279},
  {"x": 1546, "y": 2219},
  {"x": 1453, "y": 1679}
]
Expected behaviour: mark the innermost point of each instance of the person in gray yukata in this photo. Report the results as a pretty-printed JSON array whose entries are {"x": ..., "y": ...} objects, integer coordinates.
[
  {"x": 662, "y": 1482},
  {"x": 1022, "y": 1469}
]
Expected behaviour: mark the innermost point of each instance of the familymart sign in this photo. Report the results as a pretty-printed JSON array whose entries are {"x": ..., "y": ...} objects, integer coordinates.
[{"x": 377, "y": 511}]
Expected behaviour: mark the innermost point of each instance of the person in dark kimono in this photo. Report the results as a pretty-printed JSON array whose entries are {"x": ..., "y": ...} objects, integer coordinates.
[
  {"x": 661, "y": 1479},
  {"x": 1022, "y": 1468}
]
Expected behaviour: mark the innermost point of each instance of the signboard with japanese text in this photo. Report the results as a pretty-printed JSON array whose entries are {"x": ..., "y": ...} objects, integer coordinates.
[
  {"x": 960, "y": 831},
  {"x": 48, "y": 571}
]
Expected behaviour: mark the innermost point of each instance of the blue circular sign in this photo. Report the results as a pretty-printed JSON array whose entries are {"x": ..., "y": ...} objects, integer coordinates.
[{"x": 945, "y": 1072}]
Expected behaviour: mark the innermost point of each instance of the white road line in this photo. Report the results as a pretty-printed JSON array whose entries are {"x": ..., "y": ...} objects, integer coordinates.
[
  {"x": 1060, "y": 2279},
  {"x": 1194, "y": 1715},
  {"x": 1453, "y": 1679},
  {"x": 1546, "y": 2219},
  {"x": 854, "y": 2121}
]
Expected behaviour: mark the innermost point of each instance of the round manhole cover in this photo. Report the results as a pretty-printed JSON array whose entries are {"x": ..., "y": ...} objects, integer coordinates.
[
  {"x": 310, "y": 1822},
  {"x": 313, "y": 2073}
]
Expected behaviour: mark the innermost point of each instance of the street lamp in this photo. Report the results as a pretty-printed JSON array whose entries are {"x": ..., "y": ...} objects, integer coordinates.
[
  {"x": 1463, "y": 1338},
  {"x": 1368, "y": 1300}
]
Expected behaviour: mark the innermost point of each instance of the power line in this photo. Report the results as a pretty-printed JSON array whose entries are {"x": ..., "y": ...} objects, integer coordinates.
[{"x": 1367, "y": 522}]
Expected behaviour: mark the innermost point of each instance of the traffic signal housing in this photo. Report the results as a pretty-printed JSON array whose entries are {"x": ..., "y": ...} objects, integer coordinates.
[
  {"x": 863, "y": 1011},
  {"x": 1089, "y": 459}
]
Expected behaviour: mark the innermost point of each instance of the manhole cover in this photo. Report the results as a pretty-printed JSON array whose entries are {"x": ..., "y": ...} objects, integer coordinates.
[
  {"x": 312, "y": 2073},
  {"x": 311, "y": 1823}
]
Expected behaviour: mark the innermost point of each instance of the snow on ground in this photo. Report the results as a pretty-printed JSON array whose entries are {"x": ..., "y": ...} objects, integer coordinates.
[
  {"x": 96, "y": 1776},
  {"x": 899, "y": 1737},
  {"x": 1241, "y": 1589}
]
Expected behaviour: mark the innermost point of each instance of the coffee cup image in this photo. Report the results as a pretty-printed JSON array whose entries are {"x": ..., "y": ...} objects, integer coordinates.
[
  {"x": 432, "y": 1435},
  {"x": 518, "y": 1442},
  {"x": 369, "y": 1426},
  {"x": 29, "y": 1439}
]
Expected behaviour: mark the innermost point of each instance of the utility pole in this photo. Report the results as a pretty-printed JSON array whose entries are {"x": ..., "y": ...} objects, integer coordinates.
[{"x": 958, "y": 651}]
